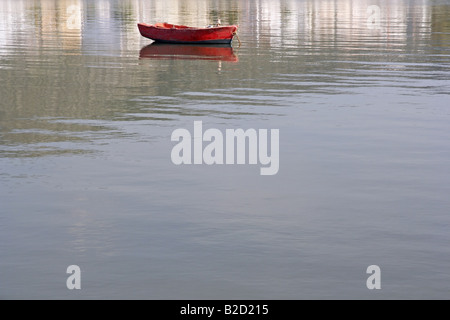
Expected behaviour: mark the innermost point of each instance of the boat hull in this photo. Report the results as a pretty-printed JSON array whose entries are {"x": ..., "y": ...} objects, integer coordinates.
[
  {"x": 219, "y": 41},
  {"x": 167, "y": 33}
]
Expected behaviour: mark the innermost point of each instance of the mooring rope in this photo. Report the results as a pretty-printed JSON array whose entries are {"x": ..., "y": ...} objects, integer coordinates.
[{"x": 237, "y": 36}]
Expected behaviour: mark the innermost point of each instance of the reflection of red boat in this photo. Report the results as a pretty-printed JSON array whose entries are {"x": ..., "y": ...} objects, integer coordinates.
[
  {"x": 194, "y": 52},
  {"x": 171, "y": 33}
]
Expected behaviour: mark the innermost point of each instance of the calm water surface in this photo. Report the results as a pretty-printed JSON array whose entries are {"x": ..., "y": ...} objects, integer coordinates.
[{"x": 360, "y": 94}]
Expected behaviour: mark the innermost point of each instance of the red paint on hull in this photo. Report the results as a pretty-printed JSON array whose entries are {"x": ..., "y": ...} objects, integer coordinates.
[{"x": 170, "y": 33}]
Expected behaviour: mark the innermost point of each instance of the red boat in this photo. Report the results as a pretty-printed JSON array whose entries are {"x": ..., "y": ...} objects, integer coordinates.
[
  {"x": 171, "y": 33},
  {"x": 189, "y": 52}
]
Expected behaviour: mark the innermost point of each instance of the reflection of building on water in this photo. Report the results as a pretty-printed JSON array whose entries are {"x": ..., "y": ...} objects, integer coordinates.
[
  {"x": 60, "y": 21},
  {"x": 54, "y": 22},
  {"x": 108, "y": 27},
  {"x": 69, "y": 22},
  {"x": 11, "y": 12},
  {"x": 343, "y": 20}
]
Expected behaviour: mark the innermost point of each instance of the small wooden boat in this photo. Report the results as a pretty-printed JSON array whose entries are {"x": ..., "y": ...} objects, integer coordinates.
[
  {"x": 188, "y": 52},
  {"x": 171, "y": 33}
]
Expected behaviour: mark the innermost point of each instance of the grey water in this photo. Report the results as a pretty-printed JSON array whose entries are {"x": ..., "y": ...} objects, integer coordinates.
[{"x": 359, "y": 91}]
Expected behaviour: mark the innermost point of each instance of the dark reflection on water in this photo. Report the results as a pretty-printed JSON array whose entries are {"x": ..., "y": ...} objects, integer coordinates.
[
  {"x": 183, "y": 51},
  {"x": 360, "y": 95}
]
